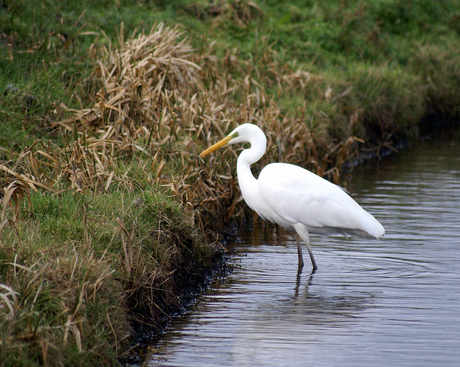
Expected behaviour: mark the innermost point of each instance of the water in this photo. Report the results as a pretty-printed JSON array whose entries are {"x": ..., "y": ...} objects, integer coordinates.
[{"x": 394, "y": 302}]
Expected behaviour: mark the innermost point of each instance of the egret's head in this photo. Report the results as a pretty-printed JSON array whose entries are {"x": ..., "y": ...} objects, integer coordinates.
[{"x": 243, "y": 133}]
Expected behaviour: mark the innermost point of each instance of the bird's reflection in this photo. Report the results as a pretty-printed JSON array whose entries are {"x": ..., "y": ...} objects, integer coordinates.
[
  {"x": 310, "y": 302},
  {"x": 297, "y": 282}
]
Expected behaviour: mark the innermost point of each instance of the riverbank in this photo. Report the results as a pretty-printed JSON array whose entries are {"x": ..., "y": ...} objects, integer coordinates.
[{"x": 107, "y": 211}]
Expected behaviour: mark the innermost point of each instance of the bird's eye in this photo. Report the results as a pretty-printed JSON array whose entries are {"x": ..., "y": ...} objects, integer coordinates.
[{"x": 234, "y": 135}]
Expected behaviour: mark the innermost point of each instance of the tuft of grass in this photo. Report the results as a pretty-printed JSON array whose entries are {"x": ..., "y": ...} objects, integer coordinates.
[
  {"x": 64, "y": 305},
  {"x": 80, "y": 274}
]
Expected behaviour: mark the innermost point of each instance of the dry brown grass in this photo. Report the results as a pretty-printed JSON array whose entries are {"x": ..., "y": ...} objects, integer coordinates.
[
  {"x": 241, "y": 12},
  {"x": 45, "y": 307},
  {"x": 137, "y": 81},
  {"x": 156, "y": 96}
]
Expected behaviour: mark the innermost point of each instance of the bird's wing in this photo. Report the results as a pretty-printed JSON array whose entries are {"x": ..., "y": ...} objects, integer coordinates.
[{"x": 297, "y": 195}]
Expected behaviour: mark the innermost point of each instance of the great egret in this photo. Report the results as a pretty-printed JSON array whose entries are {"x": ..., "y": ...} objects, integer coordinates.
[{"x": 294, "y": 197}]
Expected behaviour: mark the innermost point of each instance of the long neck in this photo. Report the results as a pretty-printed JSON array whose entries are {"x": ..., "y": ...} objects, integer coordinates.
[{"x": 248, "y": 183}]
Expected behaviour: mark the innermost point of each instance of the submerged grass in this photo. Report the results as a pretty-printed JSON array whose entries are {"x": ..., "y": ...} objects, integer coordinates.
[{"x": 107, "y": 212}]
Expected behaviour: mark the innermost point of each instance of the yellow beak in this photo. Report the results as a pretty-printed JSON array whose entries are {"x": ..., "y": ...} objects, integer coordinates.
[{"x": 219, "y": 144}]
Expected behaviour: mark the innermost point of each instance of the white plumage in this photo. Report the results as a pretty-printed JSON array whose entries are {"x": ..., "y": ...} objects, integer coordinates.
[{"x": 294, "y": 197}]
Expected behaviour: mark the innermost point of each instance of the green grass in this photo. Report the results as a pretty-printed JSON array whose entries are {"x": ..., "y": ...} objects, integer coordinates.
[
  {"x": 327, "y": 39},
  {"x": 90, "y": 228},
  {"x": 82, "y": 262}
]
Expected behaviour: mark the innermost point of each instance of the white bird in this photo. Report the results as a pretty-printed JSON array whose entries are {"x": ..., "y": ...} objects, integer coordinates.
[{"x": 295, "y": 198}]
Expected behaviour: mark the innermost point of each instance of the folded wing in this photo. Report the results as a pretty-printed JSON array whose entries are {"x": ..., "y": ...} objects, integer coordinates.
[{"x": 296, "y": 195}]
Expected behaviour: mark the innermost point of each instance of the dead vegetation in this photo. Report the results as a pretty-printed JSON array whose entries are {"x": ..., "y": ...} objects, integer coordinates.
[
  {"x": 159, "y": 97},
  {"x": 241, "y": 12},
  {"x": 47, "y": 307}
]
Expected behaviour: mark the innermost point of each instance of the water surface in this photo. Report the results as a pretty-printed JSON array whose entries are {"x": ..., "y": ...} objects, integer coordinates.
[{"x": 394, "y": 302}]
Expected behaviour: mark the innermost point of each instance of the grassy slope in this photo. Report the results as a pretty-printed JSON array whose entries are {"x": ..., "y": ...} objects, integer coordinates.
[{"x": 75, "y": 258}]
